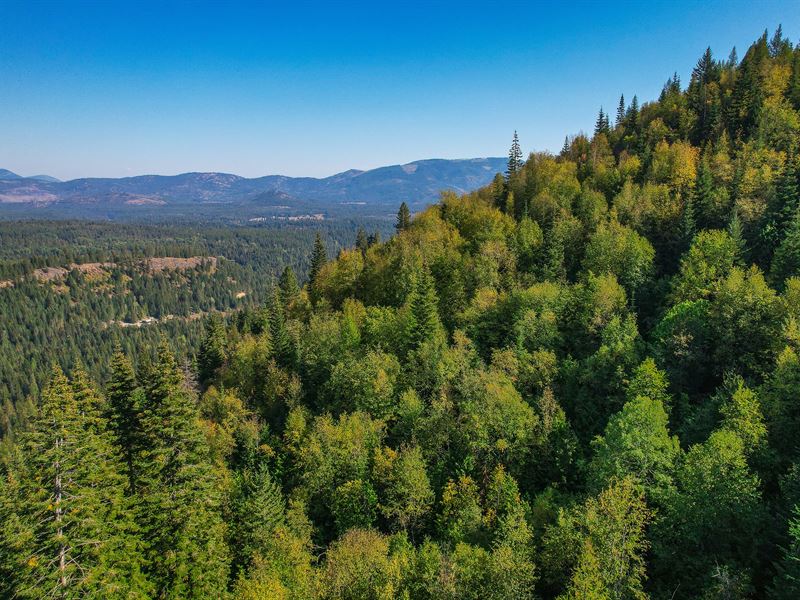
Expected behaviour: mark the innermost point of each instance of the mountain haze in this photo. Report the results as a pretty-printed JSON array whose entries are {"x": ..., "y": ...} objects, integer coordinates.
[{"x": 417, "y": 182}]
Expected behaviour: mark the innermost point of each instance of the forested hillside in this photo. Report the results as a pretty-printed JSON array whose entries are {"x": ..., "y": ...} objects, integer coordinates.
[
  {"x": 579, "y": 382},
  {"x": 71, "y": 291}
]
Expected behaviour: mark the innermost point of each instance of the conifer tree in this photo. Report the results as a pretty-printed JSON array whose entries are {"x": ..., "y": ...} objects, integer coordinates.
[
  {"x": 601, "y": 125},
  {"x": 565, "y": 147},
  {"x": 733, "y": 59},
  {"x": 514, "y": 157},
  {"x": 621, "y": 110},
  {"x": 737, "y": 234},
  {"x": 633, "y": 112},
  {"x": 403, "y": 218},
  {"x": 180, "y": 515},
  {"x": 793, "y": 90},
  {"x": 688, "y": 224},
  {"x": 787, "y": 194},
  {"x": 319, "y": 258},
  {"x": 257, "y": 509},
  {"x": 212, "y": 349},
  {"x": 362, "y": 243},
  {"x": 703, "y": 200},
  {"x": 282, "y": 347},
  {"x": 424, "y": 311},
  {"x": 124, "y": 404},
  {"x": 777, "y": 43},
  {"x": 288, "y": 286},
  {"x": 68, "y": 526},
  {"x": 786, "y": 584}
]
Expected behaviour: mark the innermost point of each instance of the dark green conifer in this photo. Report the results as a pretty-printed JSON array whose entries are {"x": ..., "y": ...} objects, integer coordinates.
[
  {"x": 620, "y": 110},
  {"x": 688, "y": 225},
  {"x": 793, "y": 90},
  {"x": 319, "y": 258},
  {"x": 288, "y": 286},
  {"x": 282, "y": 346},
  {"x": 257, "y": 509},
  {"x": 361, "y": 241},
  {"x": 703, "y": 202},
  {"x": 124, "y": 404},
  {"x": 212, "y": 349},
  {"x": 424, "y": 311},
  {"x": 67, "y": 525},
  {"x": 514, "y": 157},
  {"x": 403, "y": 218},
  {"x": 180, "y": 516},
  {"x": 565, "y": 147}
]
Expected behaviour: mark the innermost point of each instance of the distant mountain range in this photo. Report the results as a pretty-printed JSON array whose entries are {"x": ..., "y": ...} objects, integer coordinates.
[{"x": 417, "y": 183}]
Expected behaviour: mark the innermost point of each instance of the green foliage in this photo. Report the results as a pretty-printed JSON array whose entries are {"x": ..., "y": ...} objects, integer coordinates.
[
  {"x": 637, "y": 444},
  {"x": 67, "y": 524},
  {"x": 480, "y": 407}
]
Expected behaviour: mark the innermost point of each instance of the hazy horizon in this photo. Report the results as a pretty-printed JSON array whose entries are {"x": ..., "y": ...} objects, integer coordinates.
[{"x": 218, "y": 172}]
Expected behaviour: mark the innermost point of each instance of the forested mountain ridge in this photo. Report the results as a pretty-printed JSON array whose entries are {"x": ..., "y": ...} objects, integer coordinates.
[
  {"x": 419, "y": 181},
  {"x": 579, "y": 381}
]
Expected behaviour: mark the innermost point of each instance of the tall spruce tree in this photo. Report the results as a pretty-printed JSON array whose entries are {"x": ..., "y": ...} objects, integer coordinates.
[
  {"x": 125, "y": 405},
  {"x": 282, "y": 346},
  {"x": 620, "y": 110},
  {"x": 601, "y": 125},
  {"x": 514, "y": 157},
  {"x": 68, "y": 526},
  {"x": 319, "y": 258},
  {"x": 424, "y": 320},
  {"x": 212, "y": 349},
  {"x": 688, "y": 223},
  {"x": 403, "y": 218},
  {"x": 362, "y": 243},
  {"x": 257, "y": 509},
  {"x": 793, "y": 89},
  {"x": 180, "y": 516},
  {"x": 288, "y": 286},
  {"x": 705, "y": 213}
]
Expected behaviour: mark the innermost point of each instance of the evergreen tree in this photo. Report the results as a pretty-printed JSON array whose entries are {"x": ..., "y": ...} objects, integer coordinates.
[
  {"x": 777, "y": 44},
  {"x": 180, "y": 516},
  {"x": 705, "y": 213},
  {"x": 424, "y": 323},
  {"x": 601, "y": 125},
  {"x": 125, "y": 413},
  {"x": 319, "y": 258},
  {"x": 737, "y": 235},
  {"x": 362, "y": 243},
  {"x": 620, "y": 110},
  {"x": 733, "y": 58},
  {"x": 688, "y": 224},
  {"x": 793, "y": 90},
  {"x": 282, "y": 346},
  {"x": 212, "y": 350},
  {"x": 787, "y": 194},
  {"x": 257, "y": 509},
  {"x": 403, "y": 218},
  {"x": 67, "y": 527},
  {"x": 514, "y": 158},
  {"x": 786, "y": 584},
  {"x": 565, "y": 147},
  {"x": 288, "y": 286}
]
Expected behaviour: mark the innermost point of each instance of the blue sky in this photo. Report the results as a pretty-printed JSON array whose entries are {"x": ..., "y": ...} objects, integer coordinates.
[{"x": 126, "y": 88}]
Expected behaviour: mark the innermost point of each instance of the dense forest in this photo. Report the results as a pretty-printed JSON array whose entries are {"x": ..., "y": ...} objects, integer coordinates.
[
  {"x": 581, "y": 381},
  {"x": 71, "y": 291}
]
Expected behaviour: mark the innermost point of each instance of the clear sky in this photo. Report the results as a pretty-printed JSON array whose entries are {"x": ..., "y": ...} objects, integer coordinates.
[{"x": 123, "y": 88}]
